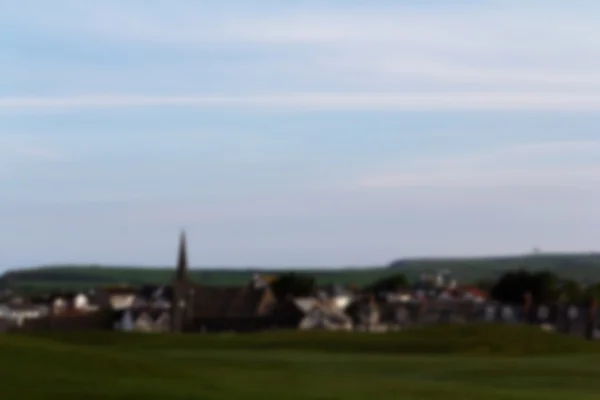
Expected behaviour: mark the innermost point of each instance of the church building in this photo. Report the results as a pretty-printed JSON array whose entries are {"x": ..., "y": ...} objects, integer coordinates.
[{"x": 196, "y": 307}]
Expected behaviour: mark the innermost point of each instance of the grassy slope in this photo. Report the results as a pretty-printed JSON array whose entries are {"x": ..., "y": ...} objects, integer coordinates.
[
  {"x": 585, "y": 267},
  {"x": 301, "y": 366},
  {"x": 83, "y": 276}
]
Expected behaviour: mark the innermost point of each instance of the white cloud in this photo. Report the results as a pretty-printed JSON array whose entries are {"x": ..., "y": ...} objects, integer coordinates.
[
  {"x": 38, "y": 153},
  {"x": 385, "y": 66},
  {"x": 197, "y": 23},
  {"x": 14, "y": 153},
  {"x": 324, "y": 101},
  {"x": 505, "y": 56},
  {"x": 404, "y": 58},
  {"x": 553, "y": 164},
  {"x": 537, "y": 48}
]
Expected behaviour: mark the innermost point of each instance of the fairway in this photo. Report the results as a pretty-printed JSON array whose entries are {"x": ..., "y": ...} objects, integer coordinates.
[{"x": 115, "y": 366}]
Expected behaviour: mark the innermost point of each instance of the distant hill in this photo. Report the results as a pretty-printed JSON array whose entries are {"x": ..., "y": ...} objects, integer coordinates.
[
  {"x": 582, "y": 267},
  {"x": 84, "y": 276}
]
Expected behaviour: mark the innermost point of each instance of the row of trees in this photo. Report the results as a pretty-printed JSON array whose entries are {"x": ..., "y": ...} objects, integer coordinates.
[
  {"x": 298, "y": 285},
  {"x": 511, "y": 287},
  {"x": 543, "y": 286}
]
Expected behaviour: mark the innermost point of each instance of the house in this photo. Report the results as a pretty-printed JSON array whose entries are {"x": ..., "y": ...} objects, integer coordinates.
[
  {"x": 325, "y": 310},
  {"x": 121, "y": 297},
  {"x": 338, "y": 295},
  {"x": 261, "y": 280},
  {"x": 4, "y": 311},
  {"x": 132, "y": 320},
  {"x": 157, "y": 296},
  {"x": 468, "y": 294},
  {"x": 79, "y": 302},
  {"x": 19, "y": 311},
  {"x": 90, "y": 301},
  {"x": 398, "y": 315},
  {"x": 59, "y": 303},
  {"x": 321, "y": 314},
  {"x": 399, "y": 296},
  {"x": 366, "y": 314},
  {"x": 147, "y": 309},
  {"x": 72, "y": 320},
  {"x": 49, "y": 313},
  {"x": 472, "y": 293},
  {"x": 98, "y": 299},
  {"x": 447, "y": 295}
]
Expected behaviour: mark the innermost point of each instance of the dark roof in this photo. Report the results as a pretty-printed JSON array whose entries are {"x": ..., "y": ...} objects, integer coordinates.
[
  {"x": 65, "y": 295},
  {"x": 98, "y": 297},
  {"x": 167, "y": 293},
  {"x": 148, "y": 291},
  {"x": 26, "y": 307},
  {"x": 229, "y": 302},
  {"x": 40, "y": 299},
  {"x": 155, "y": 292},
  {"x": 117, "y": 290}
]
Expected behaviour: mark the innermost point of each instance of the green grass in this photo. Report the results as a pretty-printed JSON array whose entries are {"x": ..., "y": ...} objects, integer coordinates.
[{"x": 476, "y": 362}]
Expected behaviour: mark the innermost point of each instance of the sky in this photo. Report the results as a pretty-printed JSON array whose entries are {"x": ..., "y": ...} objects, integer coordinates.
[{"x": 314, "y": 133}]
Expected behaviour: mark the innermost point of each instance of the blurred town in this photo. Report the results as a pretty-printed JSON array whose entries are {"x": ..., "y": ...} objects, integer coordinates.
[{"x": 290, "y": 301}]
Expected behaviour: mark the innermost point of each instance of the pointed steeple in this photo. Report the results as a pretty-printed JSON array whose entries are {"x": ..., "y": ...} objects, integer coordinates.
[{"x": 181, "y": 275}]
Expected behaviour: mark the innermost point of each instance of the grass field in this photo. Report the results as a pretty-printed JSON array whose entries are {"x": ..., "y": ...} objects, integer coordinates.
[{"x": 434, "y": 363}]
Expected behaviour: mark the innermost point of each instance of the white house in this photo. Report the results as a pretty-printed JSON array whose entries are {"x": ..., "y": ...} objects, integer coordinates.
[
  {"x": 143, "y": 321},
  {"x": 18, "y": 313},
  {"x": 322, "y": 315},
  {"x": 122, "y": 298}
]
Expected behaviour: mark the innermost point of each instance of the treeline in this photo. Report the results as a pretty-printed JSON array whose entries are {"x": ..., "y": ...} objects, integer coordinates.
[
  {"x": 543, "y": 287},
  {"x": 484, "y": 272},
  {"x": 511, "y": 287}
]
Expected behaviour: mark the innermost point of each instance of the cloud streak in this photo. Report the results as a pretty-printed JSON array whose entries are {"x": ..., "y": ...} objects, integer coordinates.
[
  {"x": 108, "y": 83},
  {"x": 14, "y": 149},
  {"x": 14, "y": 154},
  {"x": 543, "y": 164},
  {"x": 479, "y": 101},
  {"x": 280, "y": 51}
]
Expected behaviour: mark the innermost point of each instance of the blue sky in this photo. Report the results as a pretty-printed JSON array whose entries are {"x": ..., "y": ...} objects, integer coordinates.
[{"x": 315, "y": 133}]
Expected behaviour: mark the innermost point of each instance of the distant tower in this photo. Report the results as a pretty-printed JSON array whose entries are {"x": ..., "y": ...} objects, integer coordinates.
[
  {"x": 181, "y": 275},
  {"x": 181, "y": 288}
]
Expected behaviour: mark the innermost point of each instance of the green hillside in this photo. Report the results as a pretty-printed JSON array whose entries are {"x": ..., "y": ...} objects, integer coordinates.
[
  {"x": 434, "y": 363},
  {"x": 80, "y": 276},
  {"x": 581, "y": 267}
]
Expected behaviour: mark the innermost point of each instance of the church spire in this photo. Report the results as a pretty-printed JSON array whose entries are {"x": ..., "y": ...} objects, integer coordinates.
[{"x": 181, "y": 275}]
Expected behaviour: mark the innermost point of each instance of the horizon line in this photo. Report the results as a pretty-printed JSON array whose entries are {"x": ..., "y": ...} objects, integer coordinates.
[{"x": 314, "y": 267}]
